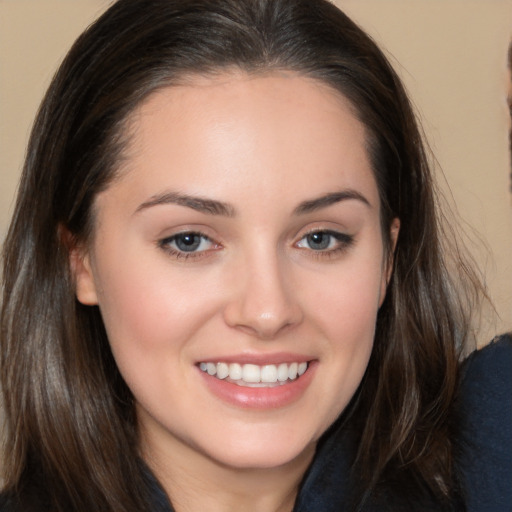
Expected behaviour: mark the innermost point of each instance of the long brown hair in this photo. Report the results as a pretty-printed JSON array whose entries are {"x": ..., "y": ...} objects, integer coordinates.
[{"x": 69, "y": 415}]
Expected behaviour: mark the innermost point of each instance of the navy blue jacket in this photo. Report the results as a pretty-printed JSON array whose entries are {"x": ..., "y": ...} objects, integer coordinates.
[{"x": 482, "y": 452}]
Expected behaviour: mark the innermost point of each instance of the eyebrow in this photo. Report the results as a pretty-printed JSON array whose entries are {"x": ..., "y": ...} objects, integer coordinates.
[
  {"x": 329, "y": 199},
  {"x": 214, "y": 207},
  {"x": 200, "y": 204}
]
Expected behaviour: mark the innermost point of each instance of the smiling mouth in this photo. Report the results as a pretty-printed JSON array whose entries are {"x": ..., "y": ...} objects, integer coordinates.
[{"x": 252, "y": 375}]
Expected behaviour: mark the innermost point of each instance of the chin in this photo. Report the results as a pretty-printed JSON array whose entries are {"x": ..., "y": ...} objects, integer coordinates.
[{"x": 257, "y": 453}]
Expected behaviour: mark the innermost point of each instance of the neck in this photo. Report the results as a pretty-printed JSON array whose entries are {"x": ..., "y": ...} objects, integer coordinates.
[{"x": 194, "y": 481}]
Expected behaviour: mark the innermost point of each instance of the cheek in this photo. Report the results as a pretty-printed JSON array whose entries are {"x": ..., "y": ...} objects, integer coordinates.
[
  {"x": 349, "y": 317},
  {"x": 347, "y": 301},
  {"x": 345, "y": 309},
  {"x": 150, "y": 311}
]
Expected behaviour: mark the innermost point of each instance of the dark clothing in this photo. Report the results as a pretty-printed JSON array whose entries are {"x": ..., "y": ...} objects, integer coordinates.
[
  {"x": 482, "y": 452},
  {"x": 484, "y": 460}
]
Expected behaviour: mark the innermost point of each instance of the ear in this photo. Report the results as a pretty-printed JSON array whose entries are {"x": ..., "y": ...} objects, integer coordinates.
[
  {"x": 81, "y": 270},
  {"x": 393, "y": 239},
  {"x": 394, "y": 230}
]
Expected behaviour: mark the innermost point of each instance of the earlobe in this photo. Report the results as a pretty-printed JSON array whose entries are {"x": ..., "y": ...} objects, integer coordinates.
[
  {"x": 80, "y": 265},
  {"x": 390, "y": 257},
  {"x": 393, "y": 238},
  {"x": 85, "y": 288}
]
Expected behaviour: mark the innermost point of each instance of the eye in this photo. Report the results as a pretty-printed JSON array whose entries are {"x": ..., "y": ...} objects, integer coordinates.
[
  {"x": 325, "y": 241},
  {"x": 187, "y": 244}
]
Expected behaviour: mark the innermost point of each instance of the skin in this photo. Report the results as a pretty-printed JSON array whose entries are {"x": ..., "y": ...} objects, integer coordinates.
[{"x": 265, "y": 147}]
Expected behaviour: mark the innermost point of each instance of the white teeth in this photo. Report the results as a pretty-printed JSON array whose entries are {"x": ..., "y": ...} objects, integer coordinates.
[
  {"x": 282, "y": 372},
  {"x": 251, "y": 373},
  {"x": 269, "y": 373},
  {"x": 292, "y": 371},
  {"x": 222, "y": 370},
  {"x": 254, "y": 374},
  {"x": 235, "y": 371}
]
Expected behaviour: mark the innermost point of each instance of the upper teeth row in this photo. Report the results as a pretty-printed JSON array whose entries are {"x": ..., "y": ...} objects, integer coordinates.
[{"x": 254, "y": 373}]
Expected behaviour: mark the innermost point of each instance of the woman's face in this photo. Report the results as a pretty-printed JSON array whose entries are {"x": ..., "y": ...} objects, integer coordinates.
[{"x": 238, "y": 264}]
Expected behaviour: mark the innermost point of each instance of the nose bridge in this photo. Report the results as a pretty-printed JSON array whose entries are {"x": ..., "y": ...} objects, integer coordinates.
[{"x": 263, "y": 304}]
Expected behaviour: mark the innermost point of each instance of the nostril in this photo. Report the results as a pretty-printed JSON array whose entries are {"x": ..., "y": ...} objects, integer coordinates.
[{"x": 262, "y": 304}]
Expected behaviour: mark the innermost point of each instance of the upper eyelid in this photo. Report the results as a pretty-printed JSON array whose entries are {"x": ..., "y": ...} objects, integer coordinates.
[
  {"x": 173, "y": 251},
  {"x": 170, "y": 238},
  {"x": 185, "y": 232},
  {"x": 337, "y": 233},
  {"x": 322, "y": 230},
  {"x": 299, "y": 236},
  {"x": 327, "y": 230},
  {"x": 340, "y": 236},
  {"x": 188, "y": 230}
]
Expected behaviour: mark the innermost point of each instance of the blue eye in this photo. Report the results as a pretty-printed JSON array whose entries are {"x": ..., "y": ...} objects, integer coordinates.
[
  {"x": 326, "y": 241},
  {"x": 319, "y": 241},
  {"x": 187, "y": 243}
]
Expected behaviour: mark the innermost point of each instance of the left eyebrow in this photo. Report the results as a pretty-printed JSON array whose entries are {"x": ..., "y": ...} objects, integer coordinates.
[{"x": 328, "y": 200}]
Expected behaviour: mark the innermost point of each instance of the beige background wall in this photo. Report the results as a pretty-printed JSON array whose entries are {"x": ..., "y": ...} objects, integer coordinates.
[{"x": 451, "y": 54}]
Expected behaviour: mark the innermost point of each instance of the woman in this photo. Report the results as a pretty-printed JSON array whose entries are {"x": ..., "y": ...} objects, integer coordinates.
[{"x": 227, "y": 255}]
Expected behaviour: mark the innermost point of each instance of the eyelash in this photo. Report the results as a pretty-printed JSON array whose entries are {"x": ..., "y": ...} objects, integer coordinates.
[
  {"x": 177, "y": 253},
  {"x": 343, "y": 242}
]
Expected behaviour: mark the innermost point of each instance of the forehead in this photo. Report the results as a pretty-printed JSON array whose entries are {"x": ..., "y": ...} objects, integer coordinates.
[
  {"x": 288, "y": 130},
  {"x": 228, "y": 96}
]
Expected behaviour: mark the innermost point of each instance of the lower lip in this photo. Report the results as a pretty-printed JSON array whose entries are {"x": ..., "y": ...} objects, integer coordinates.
[{"x": 260, "y": 398}]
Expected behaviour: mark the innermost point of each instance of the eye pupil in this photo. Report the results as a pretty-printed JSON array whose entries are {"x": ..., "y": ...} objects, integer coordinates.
[
  {"x": 188, "y": 242},
  {"x": 318, "y": 241}
]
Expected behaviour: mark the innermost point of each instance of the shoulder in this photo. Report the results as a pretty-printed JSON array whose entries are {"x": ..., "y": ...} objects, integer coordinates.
[
  {"x": 484, "y": 444},
  {"x": 485, "y": 395},
  {"x": 490, "y": 364}
]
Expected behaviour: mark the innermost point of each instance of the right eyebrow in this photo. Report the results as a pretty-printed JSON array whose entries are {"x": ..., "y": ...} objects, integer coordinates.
[{"x": 200, "y": 204}]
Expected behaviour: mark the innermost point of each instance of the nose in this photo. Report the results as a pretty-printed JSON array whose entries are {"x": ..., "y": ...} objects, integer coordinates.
[{"x": 264, "y": 303}]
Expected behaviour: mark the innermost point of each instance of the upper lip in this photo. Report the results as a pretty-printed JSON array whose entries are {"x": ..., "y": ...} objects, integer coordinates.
[{"x": 258, "y": 359}]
